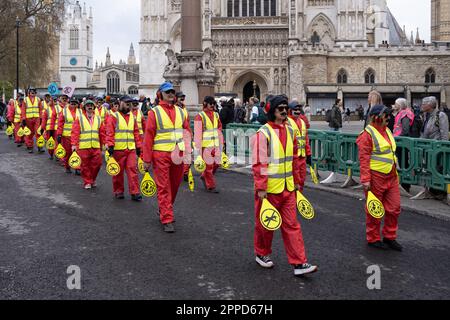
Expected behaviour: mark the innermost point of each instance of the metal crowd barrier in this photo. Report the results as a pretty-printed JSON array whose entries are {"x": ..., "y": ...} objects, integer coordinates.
[{"x": 421, "y": 162}]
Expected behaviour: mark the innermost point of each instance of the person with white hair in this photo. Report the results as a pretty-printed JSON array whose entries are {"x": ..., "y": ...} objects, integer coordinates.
[
  {"x": 436, "y": 122},
  {"x": 404, "y": 118}
]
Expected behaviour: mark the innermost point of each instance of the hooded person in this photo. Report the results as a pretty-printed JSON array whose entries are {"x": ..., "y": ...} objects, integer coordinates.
[
  {"x": 124, "y": 144},
  {"x": 208, "y": 139},
  {"x": 301, "y": 132},
  {"x": 376, "y": 145},
  {"x": 31, "y": 117},
  {"x": 64, "y": 133},
  {"x": 167, "y": 147},
  {"x": 87, "y": 138},
  {"x": 276, "y": 173},
  {"x": 49, "y": 123}
]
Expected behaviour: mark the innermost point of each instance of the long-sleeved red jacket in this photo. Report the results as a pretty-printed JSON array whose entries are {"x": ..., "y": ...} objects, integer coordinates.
[
  {"x": 10, "y": 111},
  {"x": 143, "y": 124},
  {"x": 24, "y": 108},
  {"x": 111, "y": 131},
  {"x": 52, "y": 119},
  {"x": 150, "y": 131},
  {"x": 365, "y": 146},
  {"x": 261, "y": 157},
  {"x": 199, "y": 127},
  {"x": 76, "y": 131},
  {"x": 62, "y": 120},
  {"x": 304, "y": 118}
]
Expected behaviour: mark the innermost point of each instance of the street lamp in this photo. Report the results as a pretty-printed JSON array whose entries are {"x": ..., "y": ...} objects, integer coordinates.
[{"x": 17, "y": 57}]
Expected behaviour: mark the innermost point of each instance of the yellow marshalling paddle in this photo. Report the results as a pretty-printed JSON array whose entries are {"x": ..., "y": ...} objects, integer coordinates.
[
  {"x": 374, "y": 206},
  {"x": 304, "y": 207},
  {"x": 269, "y": 216},
  {"x": 148, "y": 186},
  {"x": 75, "y": 161}
]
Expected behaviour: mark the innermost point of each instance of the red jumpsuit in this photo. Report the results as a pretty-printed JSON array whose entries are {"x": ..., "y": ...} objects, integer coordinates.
[
  {"x": 32, "y": 123},
  {"x": 135, "y": 113},
  {"x": 304, "y": 118},
  {"x": 91, "y": 159},
  {"x": 212, "y": 156},
  {"x": 10, "y": 113},
  {"x": 384, "y": 186},
  {"x": 168, "y": 173},
  {"x": 52, "y": 121},
  {"x": 285, "y": 202},
  {"x": 66, "y": 141},
  {"x": 187, "y": 166},
  {"x": 125, "y": 158},
  {"x": 302, "y": 160}
]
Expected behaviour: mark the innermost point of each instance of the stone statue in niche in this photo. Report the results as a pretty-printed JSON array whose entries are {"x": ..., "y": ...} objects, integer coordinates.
[
  {"x": 283, "y": 80},
  {"x": 173, "y": 64},
  {"x": 223, "y": 78},
  {"x": 206, "y": 63},
  {"x": 276, "y": 78}
]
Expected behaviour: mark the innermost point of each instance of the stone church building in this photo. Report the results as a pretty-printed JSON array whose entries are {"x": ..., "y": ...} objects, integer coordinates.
[{"x": 312, "y": 50}]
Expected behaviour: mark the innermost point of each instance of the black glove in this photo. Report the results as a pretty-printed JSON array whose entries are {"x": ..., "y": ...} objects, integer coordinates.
[
  {"x": 59, "y": 139},
  {"x": 51, "y": 133},
  {"x": 24, "y": 123},
  {"x": 309, "y": 160},
  {"x": 111, "y": 151},
  {"x": 138, "y": 152},
  {"x": 8, "y": 123}
]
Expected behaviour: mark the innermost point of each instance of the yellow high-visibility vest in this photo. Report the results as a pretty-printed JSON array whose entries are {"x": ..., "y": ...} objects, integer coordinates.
[
  {"x": 48, "y": 109},
  {"x": 210, "y": 130},
  {"x": 124, "y": 136},
  {"x": 139, "y": 117},
  {"x": 89, "y": 136},
  {"x": 383, "y": 157},
  {"x": 32, "y": 109},
  {"x": 17, "y": 112},
  {"x": 280, "y": 169},
  {"x": 102, "y": 113},
  {"x": 169, "y": 134},
  {"x": 68, "y": 122},
  {"x": 300, "y": 135}
]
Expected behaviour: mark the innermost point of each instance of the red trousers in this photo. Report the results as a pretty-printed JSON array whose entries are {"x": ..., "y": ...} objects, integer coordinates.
[
  {"x": 302, "y": 173},
  {"x": 55, "y": 137},
  {"x": 33, "y": 125},
  {"x": 291, "y": 231},
  {"x": 18, "y": 139},
  {"x": 213, "y": 159},
  {"x": 67, "y": 145},
  {"x": 91, "y": 163},
  {"x": 127, "y": 161},
  {"x": 386, "y": 189},
  {"x": 168, "y": 177}
]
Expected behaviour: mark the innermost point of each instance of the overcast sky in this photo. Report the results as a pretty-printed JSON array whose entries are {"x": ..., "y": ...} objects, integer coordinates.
[{"x": 117, "y": 24}]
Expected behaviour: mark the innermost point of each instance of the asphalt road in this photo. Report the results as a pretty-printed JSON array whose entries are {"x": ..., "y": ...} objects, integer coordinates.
[{"x": 48, "y": 223}]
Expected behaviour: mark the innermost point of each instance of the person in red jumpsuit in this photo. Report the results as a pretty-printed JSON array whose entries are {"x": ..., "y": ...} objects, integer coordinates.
[
  {"x": 31, "y": 113},
  {"x": 49, "y": 123},
  {"x": 168, "y": 166},
  {"x": 211, "y": 155},
  {"x": 181, "y": 98},
  {"x": 126, "y": 158},
  {"x": 284, "y": 202},
  {"x": 385, "y": 186},
  {"x": 137, "y": 112},
  {"x": 91, "y": 158},
  {"x": 16, "y": 115},
  {"x": 64, "y": 134},
  {"x": 10, "y": 115},
  {"x": 295, "y": 113}
]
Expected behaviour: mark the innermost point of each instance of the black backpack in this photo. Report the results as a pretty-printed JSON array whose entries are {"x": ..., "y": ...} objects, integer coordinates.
[
  {"x": 328, "y": 116},
  {"x": 416, "y": 127}
]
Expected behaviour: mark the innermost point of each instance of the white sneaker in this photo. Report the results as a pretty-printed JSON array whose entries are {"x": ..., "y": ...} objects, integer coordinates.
[
  {"x": 264, "y": 262},
  {"x": 88, "y": 186},
  {"x": 303, "y": 269}
]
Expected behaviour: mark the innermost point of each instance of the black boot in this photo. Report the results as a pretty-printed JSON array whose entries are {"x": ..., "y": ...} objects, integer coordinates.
[
  {"x": 378, "y": 245},
  {"x": 393, "y": 244}
]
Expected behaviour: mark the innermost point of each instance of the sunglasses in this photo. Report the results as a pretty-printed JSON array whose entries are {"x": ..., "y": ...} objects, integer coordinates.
[
  {"x": 281, "y": 109},
  {"x": 170, "y": 92}
]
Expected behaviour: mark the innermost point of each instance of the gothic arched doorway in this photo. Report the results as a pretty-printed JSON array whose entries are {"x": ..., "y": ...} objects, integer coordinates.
[
  {"x": 244, "y": 85},
  {"x": 251, "y": 89}
]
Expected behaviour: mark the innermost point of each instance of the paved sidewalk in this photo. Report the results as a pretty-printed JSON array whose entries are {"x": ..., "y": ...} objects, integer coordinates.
[{"x": 430, "y": 207}]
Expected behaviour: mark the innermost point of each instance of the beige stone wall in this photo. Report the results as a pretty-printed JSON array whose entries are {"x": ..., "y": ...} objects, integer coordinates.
[
  {"x": 440, "y": 20},
  {"x": 355, "y": 67},
  {"x": 306, "y": 69}
]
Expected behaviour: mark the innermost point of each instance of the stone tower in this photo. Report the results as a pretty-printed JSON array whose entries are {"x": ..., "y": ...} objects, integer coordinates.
[
  {"x": 131, "y": 56},
  {"x": 440, "y": 20},
  {"x": 76, "y": 47}
]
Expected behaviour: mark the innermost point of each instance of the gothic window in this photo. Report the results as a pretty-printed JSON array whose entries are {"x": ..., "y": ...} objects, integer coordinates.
[
  {"x": 430, "y": 76},
  {"x": 88, "y": 30},
  {"x": 258, "y": 8},
  {"x": 273, "y": 8},
  {"x": 133, "y": 90},
  {"x": 236, "y": 7},
  {"x": 113, "y": 82},
  {"x": 74, "y": 38},
  {"x": 266, "y": 8},
  {"x": 73, "y": 78},
  {"x": 342, "y": 77},
  {"x": 250, "y": 8},
  {"x": 314, "y": 3},
  {"x": 230, "y": 8},
  {"x": 244, "y": 8},
  {"x": 369, "y": 76}
]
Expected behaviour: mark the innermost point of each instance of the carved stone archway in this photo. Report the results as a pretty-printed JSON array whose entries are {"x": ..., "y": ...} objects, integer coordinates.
[
  {"x": 322, "y": 29},
  {"x": 245, "y": 77}
]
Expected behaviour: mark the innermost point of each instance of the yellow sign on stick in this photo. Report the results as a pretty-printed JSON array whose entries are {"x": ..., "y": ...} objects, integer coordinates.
[
  {"x": 225, "y": 161},
  {"x": 10, "y": 131},
  {"x": 107, "y": 156},
  {"x": 148, "y": 186},
  {"x": 20, "y": 132},
  {"x": 270, "y": 217},
  {"x": 304, "y": 207},
  {"x": 26, "y": 131},
  {"x": 200, "y": 165},
  {"x": 191, "y": 181},
  {"x": 51, "y": 146},
  {"x": 112, "y": 167},
  {"x": 75, "y": 161},
  {"x": 40, "y": 142},
  {"x": 60, "y": 152},
  {"x": 141, "y": 165},
  {"x": 313, "y": 175},
  {"x": 375, "y": 206}
]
